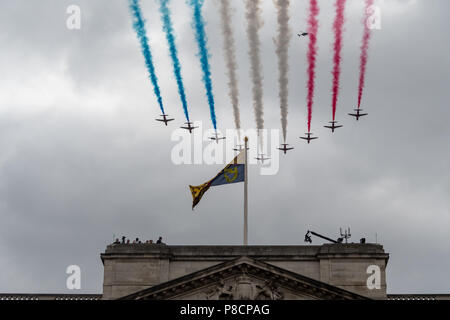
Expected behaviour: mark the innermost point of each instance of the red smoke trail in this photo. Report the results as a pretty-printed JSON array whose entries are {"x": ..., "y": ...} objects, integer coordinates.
[
  {"x": 338, "y": 28},
  {"x": 313, "y": 26},
  {"x": 364, "y": 50}
]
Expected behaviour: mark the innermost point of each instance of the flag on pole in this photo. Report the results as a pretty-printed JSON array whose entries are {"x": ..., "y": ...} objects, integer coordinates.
[{"x": 234, "y": 172}]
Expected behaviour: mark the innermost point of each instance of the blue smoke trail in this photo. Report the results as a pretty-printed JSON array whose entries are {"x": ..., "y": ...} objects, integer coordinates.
[
  {"x": 139, "y": 27},
  {"x": 168, "y": 28},
  {"x": 199, "y": 25}
]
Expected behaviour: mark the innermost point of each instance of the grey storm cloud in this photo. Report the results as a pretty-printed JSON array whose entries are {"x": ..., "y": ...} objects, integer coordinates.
[{"x": 82, "y": 159}]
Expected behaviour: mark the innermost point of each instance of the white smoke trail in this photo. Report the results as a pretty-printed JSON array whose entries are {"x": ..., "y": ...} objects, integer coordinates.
[
  {"x": 254, "y": 21},
  {"x": 282, "y": 43},
  {"x": 229, "y": 47}
]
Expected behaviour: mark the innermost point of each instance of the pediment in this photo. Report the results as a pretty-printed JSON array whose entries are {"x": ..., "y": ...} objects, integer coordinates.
[{"x": 244, "y": 279}]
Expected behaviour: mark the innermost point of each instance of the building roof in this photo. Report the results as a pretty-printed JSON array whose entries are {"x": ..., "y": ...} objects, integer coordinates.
[{"x": 50, "y": 296}]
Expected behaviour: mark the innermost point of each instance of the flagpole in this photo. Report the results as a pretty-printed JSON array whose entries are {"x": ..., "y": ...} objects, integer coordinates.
[{"x": 245, "y": 194}]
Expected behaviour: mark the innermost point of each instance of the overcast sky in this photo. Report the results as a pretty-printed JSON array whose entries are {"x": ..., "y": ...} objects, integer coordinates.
[{"x": 82, "y": 159}]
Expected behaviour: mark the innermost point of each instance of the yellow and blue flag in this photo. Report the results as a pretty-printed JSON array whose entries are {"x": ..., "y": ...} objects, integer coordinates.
[{"x": 234, "y": 172}]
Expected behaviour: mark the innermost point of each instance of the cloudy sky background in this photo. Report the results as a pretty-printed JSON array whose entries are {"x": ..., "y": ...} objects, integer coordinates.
[{"x": 81, "y": 157}]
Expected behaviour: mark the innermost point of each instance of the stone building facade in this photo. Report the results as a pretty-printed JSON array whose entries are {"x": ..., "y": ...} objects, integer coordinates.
[
  {"x": 329, "y": 271},
  {"x": 151, "y": 271}
]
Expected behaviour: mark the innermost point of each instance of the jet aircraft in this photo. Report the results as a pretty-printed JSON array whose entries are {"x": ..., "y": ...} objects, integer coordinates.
[
  {"x": 284, "y": 148},
  {"x": 308, "y": 137},
  {"x": 358, "y": 114},
  {"x": 164, "y": 119},
  {"x": 333, "y": 126},
  {"x": 189, "y": 127}
]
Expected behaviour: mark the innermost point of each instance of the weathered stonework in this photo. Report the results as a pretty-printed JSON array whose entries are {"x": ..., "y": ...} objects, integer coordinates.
[{"x": 133, "y": 268}]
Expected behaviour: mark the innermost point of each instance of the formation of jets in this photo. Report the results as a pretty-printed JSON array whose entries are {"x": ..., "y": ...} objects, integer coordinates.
[
  {"x": 284, "y": 147},
  {"x": 358, "y": 114},
  {"x": 165, "y": 119}
]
